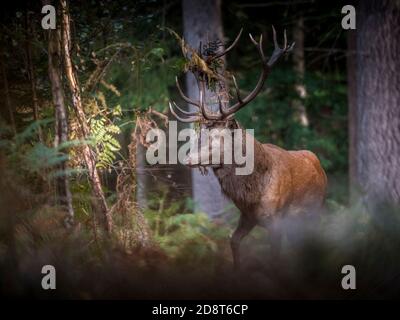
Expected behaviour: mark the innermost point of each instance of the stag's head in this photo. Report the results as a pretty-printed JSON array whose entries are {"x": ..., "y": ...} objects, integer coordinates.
[{"x": 222, "y": 121}]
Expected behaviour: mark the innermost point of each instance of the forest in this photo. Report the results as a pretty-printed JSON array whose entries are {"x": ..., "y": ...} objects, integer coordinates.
[{"x": 82, "y": 85}]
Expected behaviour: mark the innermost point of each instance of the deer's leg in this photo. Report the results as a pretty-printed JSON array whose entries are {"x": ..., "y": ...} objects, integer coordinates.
[
  {"x": 275, "y": 233},
  {"x": 242, "y": 230}
]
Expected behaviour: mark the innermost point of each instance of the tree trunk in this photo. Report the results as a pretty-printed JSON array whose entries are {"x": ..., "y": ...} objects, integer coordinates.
[
  {"x": 61, "y": 130},
  {"x": 32, "y": 71},
  {"x": 352, "y": 110},
  {"x": 88, "y": 154},
  {"x": 378, "y": 101},
  {"x": 299, "y": 68},
  {"x": 138, "y": 185},
  {"x": 7, "y": 92},
  {"x": 202, "y": 22},
  {"x": 141, "y": 178}
]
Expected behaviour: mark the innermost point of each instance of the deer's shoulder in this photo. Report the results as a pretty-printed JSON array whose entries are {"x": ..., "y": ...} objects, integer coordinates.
[
  {"x": 306, "y": 154},
  {"x": 273, "y": 148}
]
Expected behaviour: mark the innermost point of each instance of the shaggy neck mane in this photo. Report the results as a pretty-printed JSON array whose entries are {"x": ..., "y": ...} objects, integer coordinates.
[{"x": 244, "y": 190}]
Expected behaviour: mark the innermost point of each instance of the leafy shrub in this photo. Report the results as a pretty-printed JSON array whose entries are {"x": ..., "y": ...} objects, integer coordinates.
[{"x": 190, "y": 239}]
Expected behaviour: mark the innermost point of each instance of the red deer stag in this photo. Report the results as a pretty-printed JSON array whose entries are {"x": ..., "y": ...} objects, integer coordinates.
[{"x": 283, "y": 183}]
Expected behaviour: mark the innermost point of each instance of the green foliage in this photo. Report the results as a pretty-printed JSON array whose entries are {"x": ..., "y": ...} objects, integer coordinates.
[
  {"x": 144, "y": 79},
  {"x": 104, "y": 126},
  {"x": 41, "y": 157},
  {"x": 189, "y": 238},
  {"x": 103, "y": 136},
  {"x": 32, "y": 157},
  {"x": 124, "y": 52}
]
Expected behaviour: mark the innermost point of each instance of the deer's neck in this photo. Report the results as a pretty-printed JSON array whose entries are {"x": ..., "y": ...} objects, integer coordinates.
[{"x": 245, "y": 190}]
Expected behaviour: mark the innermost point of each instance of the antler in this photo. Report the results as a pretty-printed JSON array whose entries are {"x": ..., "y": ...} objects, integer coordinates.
[
  {"x": 206, "y": 114},
  {"x": 219, "y": 55},
  {"x": 184, "y": 97},
  {"x": 267, "y": 65},
  {"x": 203, "y": 113},
  {"x": 192, "y": 116},
  {"x": 224, "y": 112}
]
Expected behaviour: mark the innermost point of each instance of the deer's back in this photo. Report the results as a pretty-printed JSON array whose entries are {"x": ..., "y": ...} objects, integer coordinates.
[{"x": 295, "y": 182}]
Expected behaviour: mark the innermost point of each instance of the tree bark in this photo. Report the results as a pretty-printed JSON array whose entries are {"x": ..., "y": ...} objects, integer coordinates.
[
  {"x": 32, "y": 71},
  {"x": 138, "y": 189},
  {"x": 61, "y": 129},
  {"x": 202, "y": 22},
  {"x": 352, "y": 111},
  {"x": 378, "y": 101},
  {"x": 88, "y": 154},
  {"x": 7, "y": 93},
  {"x": 299, "y": 68},
  {"x": 141, "y": 178}
]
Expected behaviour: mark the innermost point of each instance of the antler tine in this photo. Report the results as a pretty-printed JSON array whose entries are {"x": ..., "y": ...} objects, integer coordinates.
[
  {"x": 285, "y": 39},
  {"x": 206, "y": 115},
  {"x": 274, "y": 37},
  {"x": 277, "y": 53},
  {"x": 229, "y": 48},
  {"x": 258, "y": 46},
  {"x": 186, "y": 120},
  {"x": 221, "y": 108},
  {"x": 236, "y": 89},
  {"x": 202, "y": 107},
  {"x": 252, "y": 39},
  {"x": 184, "y": 97},
  {"x": 184, "y": 111}
]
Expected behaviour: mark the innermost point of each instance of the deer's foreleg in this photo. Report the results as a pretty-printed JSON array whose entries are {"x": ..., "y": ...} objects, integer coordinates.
[
  {"x": 242, "y": 230},
  {"x": 275, "y": 233}
]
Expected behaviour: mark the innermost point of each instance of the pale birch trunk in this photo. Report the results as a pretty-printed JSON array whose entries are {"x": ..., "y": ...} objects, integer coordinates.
[
  {"x": 88, "y": 154},
  {"x": 64, "y": 196},
  {"x": 299, "y": 67}
]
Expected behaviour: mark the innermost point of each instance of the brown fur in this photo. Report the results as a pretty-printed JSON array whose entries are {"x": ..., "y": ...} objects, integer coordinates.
[{"x": 282, "y": 183}]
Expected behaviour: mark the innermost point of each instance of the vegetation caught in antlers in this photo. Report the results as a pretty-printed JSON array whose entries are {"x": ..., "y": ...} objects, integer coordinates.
[{"x": 202, "y": 70}]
